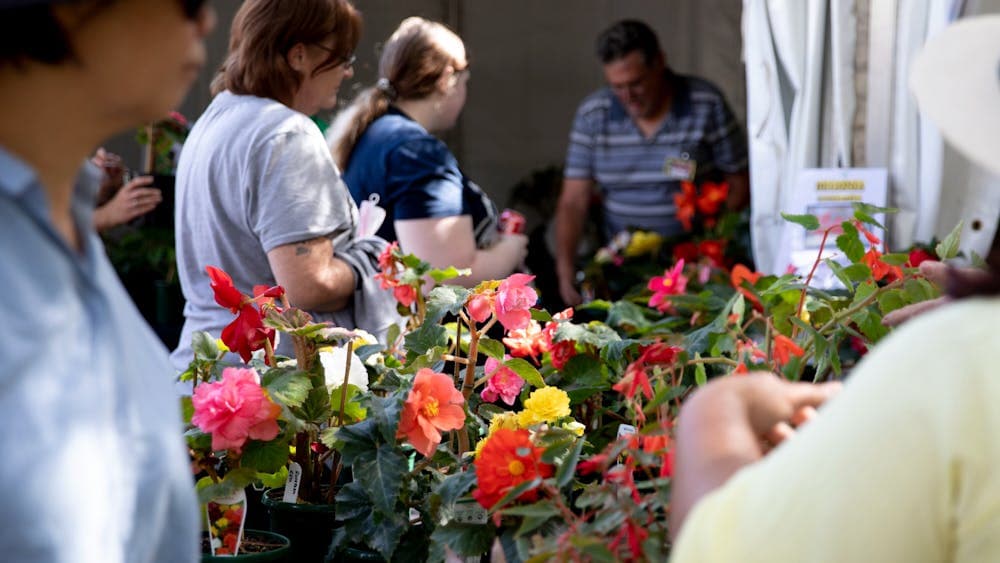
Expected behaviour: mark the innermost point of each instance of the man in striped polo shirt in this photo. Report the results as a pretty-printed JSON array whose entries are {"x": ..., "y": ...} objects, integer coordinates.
[{"x": 636, "y": 140}]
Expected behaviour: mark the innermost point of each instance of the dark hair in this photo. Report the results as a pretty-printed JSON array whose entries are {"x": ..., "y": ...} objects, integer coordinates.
[
  {"x": 264, "y": 31},
  {"x": 625, "y": 37},
  {"x": 412, "y": 62},
  {"x": 33, "y": 33}
]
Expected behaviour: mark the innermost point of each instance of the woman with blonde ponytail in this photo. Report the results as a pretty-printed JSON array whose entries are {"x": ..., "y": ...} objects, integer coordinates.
[{"x": 384, "y": 143}]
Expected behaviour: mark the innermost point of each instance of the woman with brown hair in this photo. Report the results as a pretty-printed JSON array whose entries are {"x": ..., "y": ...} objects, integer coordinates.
[
  {"x": 258, "y": 194},
  {"x": 384, "y": 144}
]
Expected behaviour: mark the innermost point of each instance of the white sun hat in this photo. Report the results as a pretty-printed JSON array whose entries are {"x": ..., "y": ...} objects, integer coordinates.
[{"x": 956, "y": 81}]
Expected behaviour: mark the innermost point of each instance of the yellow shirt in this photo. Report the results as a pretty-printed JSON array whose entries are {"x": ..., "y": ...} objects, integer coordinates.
[{"x": 903, "y": 466}]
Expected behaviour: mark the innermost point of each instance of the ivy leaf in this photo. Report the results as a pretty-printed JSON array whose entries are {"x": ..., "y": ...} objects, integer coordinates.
[
  {"x": 895, "y": 258},
  {"x": 566, "y": 470},
  {"x": 810, "y": 222},
  {"x": 384, "y": 411},
  {"x": 948, "y": 248},
  {"x": 204, "y": 346},
  {"x": 466, "y": 540},
  {"x": 583, "y": 377},
  {"x": 386, "y": 533},
  {"x": 454, "y": 487},
  {"x": 381, "y": 476},
  {"x": 429, "y": 335}
]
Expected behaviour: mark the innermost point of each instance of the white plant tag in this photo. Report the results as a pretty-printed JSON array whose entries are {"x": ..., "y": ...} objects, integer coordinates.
[
  {"x": 626, "y": 430},
  {"x": 469, "y": 512},
  {"x": 226, "y": 516},
  {"x": 370, "y": 217},
  {"x": 292, "y": 483}
]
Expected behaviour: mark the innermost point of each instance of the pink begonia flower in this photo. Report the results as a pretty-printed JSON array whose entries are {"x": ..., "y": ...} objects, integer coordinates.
[
  {"x": 504, "y": 383},
  {"x": 480, "y": 307},
  {"x": 514, "y": 299},
  {"x": 670, "y": 283},
  {"x": 235, "y": 409}
]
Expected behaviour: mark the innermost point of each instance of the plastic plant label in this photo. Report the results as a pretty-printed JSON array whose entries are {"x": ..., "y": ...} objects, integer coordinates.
[
  {"x": 292, "y": 483},
  {"x": 225, "y": 517},
  {"x": 626, "y": 430},
  {"x": 469, "y": 512}
]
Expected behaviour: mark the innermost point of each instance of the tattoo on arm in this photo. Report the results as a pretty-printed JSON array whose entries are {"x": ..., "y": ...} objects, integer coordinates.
[{"x": 301, "y": 250}]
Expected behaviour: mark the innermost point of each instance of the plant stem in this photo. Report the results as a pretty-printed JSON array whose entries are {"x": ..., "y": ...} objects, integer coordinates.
[
  {"x": 343, "y": 387},
  {"x": 805, "y": 289}
]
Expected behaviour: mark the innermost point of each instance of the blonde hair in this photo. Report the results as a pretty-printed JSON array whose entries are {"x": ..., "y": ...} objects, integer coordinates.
[{"x": 413, "y": 61}]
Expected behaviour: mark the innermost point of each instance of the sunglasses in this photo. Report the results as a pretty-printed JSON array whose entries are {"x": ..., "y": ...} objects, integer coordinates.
[{"x": 192, "y": 8}]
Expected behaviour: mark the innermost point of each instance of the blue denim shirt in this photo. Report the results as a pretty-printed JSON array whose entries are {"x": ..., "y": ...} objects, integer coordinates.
[{"x": 93, "y": 462}]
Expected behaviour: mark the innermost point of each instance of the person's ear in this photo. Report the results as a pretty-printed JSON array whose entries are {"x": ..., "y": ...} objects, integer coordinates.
[{"x": 296, "y": 57}]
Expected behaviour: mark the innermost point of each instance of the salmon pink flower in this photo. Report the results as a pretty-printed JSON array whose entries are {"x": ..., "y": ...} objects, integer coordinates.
[
  {"x": 561, "y": 353},
  {"x": 670, "y": 283},
  {"x": 741, "y": 274},
  {"x": 514, "y": 300},
  {"x": 508, "y": 458},
  {"x": 235, "y": 409},
  {"x": 433, "y": 406},
  {"x": 504, "y": 383},
  {"x": 714, "y": 250},
  {"x": 480, "y": 307},
  {"x": 528, "y": 342},
  {"x": 406, "y": 294}
]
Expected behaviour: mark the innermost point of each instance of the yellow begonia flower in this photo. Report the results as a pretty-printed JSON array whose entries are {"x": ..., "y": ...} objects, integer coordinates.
[
  {"x": 643, "y": 243},
  {"x": 504, "y": 421},
  {"x": 575, "y": 427},
  {"x": 479, "y": 448},
  {"x": 221, "y": 345},
  {"x": 547, "y": 404}
]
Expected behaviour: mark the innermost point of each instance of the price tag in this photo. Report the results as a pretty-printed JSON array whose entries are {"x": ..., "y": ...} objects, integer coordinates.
[
  {"x": 626, "y": 430},
  {"x": 469, "y": 512}
]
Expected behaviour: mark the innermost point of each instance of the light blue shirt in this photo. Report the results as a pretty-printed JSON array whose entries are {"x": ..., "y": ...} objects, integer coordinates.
[{"x": 93, "y": 462}]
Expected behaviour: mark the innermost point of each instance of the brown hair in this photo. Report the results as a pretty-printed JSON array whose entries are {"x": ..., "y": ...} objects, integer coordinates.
[
  {"x": 264, "y": 31},
  {"x": 413, "y": 61}
]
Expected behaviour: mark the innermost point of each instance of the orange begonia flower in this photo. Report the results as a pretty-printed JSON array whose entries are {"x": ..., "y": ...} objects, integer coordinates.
[
  {"x": 508, "y": 459},
  {"x": 433, "y": 406},
  {"x": 740, "y": 274},
  {"x": 785, "y": 348},
  {"x": 713, "y": 195},
  {"x": 685, "y": 203}
]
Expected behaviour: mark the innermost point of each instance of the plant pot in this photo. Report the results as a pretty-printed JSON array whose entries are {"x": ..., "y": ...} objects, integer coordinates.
[
  {"x": 272, "y": 547},
  {"x": 309, "y": 526},
  {"x": 357, "y": 554}
]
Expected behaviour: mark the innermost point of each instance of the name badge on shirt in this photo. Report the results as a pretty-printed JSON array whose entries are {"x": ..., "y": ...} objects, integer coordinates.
[{"x": 682, "y": 168}]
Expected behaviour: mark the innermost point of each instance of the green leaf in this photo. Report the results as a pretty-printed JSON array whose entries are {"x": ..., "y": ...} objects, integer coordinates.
[
  {"x": 948, "y": 248},
  {"x": 850, "y": 243},
  {"x": 540, "y": 315},
  {"x": 566, "y": 470},
  {"x": 466, "y": 540},
  {"x": 838, "y": 271},
  {"x": 516, "y": 492},
  {"x": 384, "y": 411},
  {"x": 357, "y": 441},
  {"x": 455, "y": 486},
  {"x": 352, "y": 502},
  {"x": 187, "y": 409},
  {"x": 492, "y": 348},
  {"x": 890, "y": 301},
  {"x": 870, "y": 324},
  {"x": 810, "y": 222},
  {"x": 895, "y": 258},
  {"x": 544, "y": 508},
  {"x": 582, "y": 377},
  {"x": 527, "y": 371},
  {"x": 316, "y": 407},
  {"x": 448, "y": 273},
  {"x": 386, "y": 533},
  {"x": 353, "y": 410},
  {"x": 427, "y": 336},
  {"x": 290, "y": 389},
  {"x": 265, "y": 457},
  {"x": 204, "y": 346},
  {"x": 627, "y": 315},
  {"x": 594, "y": 548},
  {"x": 445, "y": 299},
  {"x": 857, "y": 273},
  {"x": 863, "y": 291},
  {"x": 700, "y": 377},
  {"x": 381, "y": 477}
]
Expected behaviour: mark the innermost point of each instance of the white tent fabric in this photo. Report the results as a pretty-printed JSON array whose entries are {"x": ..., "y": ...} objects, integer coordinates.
[
  {"x": 801, "y": 102},
  {"x": 785, "y": 47}
]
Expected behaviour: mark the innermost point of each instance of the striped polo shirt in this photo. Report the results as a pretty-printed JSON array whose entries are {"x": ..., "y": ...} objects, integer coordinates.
[{"x": 638, "y": 176}]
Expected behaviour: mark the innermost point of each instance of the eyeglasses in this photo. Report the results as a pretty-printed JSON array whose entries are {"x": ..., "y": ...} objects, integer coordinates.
[{"x": 346, "y": 62}]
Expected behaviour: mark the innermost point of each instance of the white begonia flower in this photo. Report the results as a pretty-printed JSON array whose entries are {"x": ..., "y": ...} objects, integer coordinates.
[{"x": 334, "y": 360}]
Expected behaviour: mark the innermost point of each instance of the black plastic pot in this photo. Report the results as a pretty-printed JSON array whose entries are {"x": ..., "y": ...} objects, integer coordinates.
[{"x": 309, "y": 526}]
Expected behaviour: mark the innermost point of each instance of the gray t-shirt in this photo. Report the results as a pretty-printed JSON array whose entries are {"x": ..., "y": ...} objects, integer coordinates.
[{"x": 253, "y": 175}]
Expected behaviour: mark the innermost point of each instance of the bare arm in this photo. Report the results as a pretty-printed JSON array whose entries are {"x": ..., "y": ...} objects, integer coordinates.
[
  {"x": 313, "y": 278},
  {"x": 449, "y": 241},
  {"x": 724, "y": 425},
  {"x": 571, "y": 212},
  {"x": 739, "y": 191}
]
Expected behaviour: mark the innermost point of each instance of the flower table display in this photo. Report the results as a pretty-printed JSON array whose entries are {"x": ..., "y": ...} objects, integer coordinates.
[{"x": 551, "y": 442}]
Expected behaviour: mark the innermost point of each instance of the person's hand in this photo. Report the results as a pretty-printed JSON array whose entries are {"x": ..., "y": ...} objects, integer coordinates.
[
  {"x": 568, "y": 292},
  {"x": 113, "y": 171},
  {"x": 936, "y": 273},
  {"x": 134, "y": 199},
  {"x": 776, "y": 407}
]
